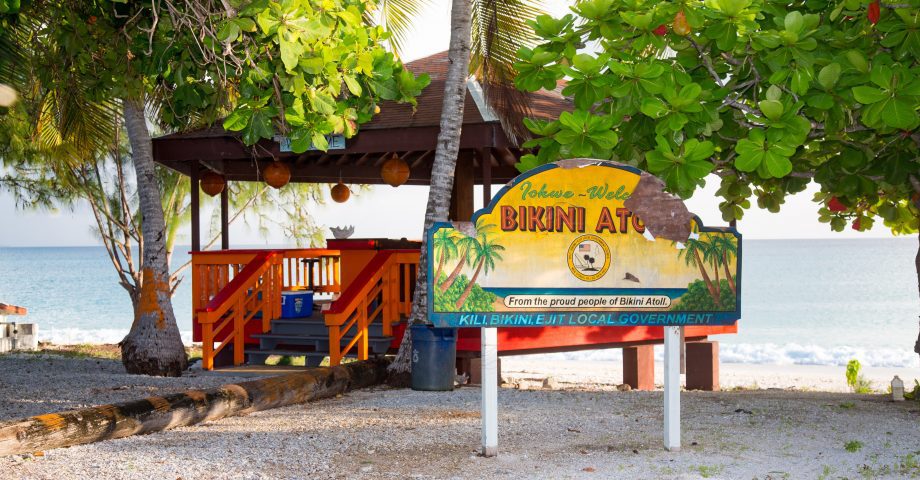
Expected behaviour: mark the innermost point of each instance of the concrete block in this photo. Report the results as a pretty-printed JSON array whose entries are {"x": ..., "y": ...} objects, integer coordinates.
[
  {"x": 18, "y": 336},
  {"x": 472, "y": 366},
  {"x": 639, "y": 367},
  {"x": 703, "y": 366}
]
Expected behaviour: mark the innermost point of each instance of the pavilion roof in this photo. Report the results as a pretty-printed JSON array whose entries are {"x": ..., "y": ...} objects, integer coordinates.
[{"x": 396, "y": 129}]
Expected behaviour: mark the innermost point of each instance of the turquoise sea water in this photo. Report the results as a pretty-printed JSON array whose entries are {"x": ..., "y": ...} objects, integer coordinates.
[{"x": 803, "y": 301}]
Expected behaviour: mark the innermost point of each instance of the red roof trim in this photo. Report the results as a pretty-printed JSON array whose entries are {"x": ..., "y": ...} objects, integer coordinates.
[{"x": 6, "y": 309}]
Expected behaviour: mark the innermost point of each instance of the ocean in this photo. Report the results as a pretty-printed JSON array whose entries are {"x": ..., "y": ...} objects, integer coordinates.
[{"x": 812, "y": 302}]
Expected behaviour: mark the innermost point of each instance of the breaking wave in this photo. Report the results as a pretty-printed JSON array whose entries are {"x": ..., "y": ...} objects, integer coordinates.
[{"x": 73, "y": 336}]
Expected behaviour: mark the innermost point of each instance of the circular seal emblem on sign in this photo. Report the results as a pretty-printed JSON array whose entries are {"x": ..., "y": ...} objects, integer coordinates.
[{"x": 589, "y": 258}]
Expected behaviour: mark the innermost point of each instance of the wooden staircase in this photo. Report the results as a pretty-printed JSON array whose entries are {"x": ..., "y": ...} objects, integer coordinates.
[
  {"x": 308, "y": 337},
  {"x": 237, "y": 304}
]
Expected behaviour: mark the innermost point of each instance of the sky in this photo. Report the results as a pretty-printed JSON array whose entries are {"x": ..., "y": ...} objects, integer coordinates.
[{"x": 385, "y": 211}]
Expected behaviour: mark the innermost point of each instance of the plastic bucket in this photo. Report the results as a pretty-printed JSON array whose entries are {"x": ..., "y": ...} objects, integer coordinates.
[{"x": 434, "y": 357}]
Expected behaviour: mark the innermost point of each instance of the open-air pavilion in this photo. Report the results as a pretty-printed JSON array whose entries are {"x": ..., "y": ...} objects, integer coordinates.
[{"x": 364, "y": 287}]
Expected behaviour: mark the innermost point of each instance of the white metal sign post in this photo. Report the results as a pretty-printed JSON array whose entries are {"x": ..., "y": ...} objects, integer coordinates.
[
  {"x": 489, "y": 351},
  {"x": 672, "y": 388}
]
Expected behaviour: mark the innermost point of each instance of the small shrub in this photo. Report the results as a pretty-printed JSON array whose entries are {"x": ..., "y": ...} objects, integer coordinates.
[
  {"x": 853, "y": 446},
  {"x": 855, "y": 380}
]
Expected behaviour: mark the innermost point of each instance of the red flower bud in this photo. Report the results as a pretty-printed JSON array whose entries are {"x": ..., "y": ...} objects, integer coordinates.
[
  {"x": 681, "y": 26},
  {"x": 875, "y": 12},
  {"x": 835, "y": 206}
]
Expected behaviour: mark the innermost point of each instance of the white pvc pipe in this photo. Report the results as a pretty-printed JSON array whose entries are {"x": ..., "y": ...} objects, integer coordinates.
[
  {"x": 489, "y": 351},
  {"x": 672, "y": 388}
]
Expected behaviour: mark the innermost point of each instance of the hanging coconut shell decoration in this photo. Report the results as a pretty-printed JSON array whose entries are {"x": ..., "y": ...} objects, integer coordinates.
[
  {"x": 340, "y": 192},
  {"x": 277, "y": 174},
  {"x": 395, "y": 171},
  {"x": 212, "y": 183}
]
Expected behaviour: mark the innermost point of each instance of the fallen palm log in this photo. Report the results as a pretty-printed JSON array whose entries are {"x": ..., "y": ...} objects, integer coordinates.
[{"x": 153, "y": 414}]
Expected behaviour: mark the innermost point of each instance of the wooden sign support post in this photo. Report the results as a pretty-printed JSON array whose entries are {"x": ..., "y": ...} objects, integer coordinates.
[
  {"x": 489, "y": 392},
  {"x": 672, "y": 388}
]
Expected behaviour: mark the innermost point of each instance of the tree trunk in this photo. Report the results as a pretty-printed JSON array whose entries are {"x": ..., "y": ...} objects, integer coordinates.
[
  {"x": 442, "y": 171},
  {"x": 154, "y": 345},
  {"x": 469, "y": 286},
  {"x": 154, "y": 414},
  {"x": 715, "y": 269},
  {"x": 456, "y": 272},
  {"x": 728, "y": 273},
  {"x": 712, "y": 291},
  {"x": 437, "y": 273}
]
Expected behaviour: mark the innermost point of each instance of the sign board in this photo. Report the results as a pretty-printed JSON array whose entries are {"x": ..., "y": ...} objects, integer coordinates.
[
  {"x": 560, "y": 246},
  {"x": 336, "y": 142},
  {"x": 583, "y": 243}
]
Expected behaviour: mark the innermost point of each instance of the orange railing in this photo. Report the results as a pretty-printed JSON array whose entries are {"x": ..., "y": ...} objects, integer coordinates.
[
  {"x": 302, "y": 269},
  {"x": 382, "y": 291},
  {"x": 251, "y": 291},
  {"x": 229, "y": 287}
]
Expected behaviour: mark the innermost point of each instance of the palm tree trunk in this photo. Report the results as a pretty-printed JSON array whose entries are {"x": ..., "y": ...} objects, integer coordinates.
[
  {"x": 469, "y": 286},
  {"x": 715, "y": 269},
  {"x": 728, "y": 273},
  {"x": 712, "y": 291},
  {"x": 437, "y": 273},
  {"x": 453, "y": 275},
  {"x": 442, "y": 172},
  {"x": 153, "y": 346}
]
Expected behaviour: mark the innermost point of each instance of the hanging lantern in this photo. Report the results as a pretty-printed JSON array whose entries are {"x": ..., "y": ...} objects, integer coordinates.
[
  {"x": 213, "y": 183},
  {"x": 395, "y": 171},
  {"x": 340, "y": 192},
  {"x": 277, "y": 174}
]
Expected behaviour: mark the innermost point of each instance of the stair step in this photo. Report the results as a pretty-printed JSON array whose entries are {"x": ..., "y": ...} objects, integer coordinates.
[{"x": 293, "y": 336}]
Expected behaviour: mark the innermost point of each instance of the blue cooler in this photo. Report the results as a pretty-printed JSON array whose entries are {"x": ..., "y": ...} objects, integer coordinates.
[{"x": 296, "y": 304}]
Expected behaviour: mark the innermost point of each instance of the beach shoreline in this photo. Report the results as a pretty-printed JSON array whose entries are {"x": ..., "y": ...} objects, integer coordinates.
[{"x": 580, "y": 428}]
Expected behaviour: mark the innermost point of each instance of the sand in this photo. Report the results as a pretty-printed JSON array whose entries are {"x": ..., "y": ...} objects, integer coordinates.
[{"x": 584, "y": 429}]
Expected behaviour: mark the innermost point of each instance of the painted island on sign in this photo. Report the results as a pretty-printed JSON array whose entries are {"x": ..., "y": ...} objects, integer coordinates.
[{"x": 564, "y": 245}]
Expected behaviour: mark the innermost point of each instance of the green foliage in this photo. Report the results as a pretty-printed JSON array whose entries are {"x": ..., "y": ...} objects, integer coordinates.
[
  {"x": 769, "y": 95},
  {"x": 698, "y": 298},
  {"x": 853, "y": 446},
  {"x": 855, "y": 380},
  {"x": 301, "y": 68},
  {"x": 478, "y": 300}
]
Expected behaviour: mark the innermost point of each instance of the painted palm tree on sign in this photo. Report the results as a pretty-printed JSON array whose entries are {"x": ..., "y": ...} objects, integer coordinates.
[
  {"x": 693, "y": 254},
  {"x": 445, "y": 248},
  {"x": 484, "y": 254},
  {"x": 728, "y": 248},
  {"x": 468, "y": 244}
]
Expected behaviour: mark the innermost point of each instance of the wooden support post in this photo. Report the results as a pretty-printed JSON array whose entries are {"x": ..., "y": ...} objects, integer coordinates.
[
  {"x": 489, "y": 349},
  {"x": 225, "y": 218},
  {"x": 639, "y": 367},
  {"x": 703, "y": 366},
  {"x": 461, "y": 199},
  {"x": 672, "y": 388},
  {"x": 195, "y": 207}
]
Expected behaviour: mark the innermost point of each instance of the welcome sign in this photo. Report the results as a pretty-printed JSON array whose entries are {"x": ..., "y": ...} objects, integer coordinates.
[{"x": 566, "y": 244}]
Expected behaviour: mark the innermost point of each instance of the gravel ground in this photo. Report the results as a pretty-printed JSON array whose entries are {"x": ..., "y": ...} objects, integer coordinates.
[{"x": 382, "y": 433}]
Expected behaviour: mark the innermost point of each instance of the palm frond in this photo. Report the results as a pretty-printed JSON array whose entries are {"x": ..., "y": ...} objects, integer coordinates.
[
  {"x": 499, "y": 30},
  {"x": 397, "y": 16}
]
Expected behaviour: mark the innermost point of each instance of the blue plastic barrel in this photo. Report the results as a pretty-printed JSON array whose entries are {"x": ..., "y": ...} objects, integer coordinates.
[{"x": 434, "y": 356}]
